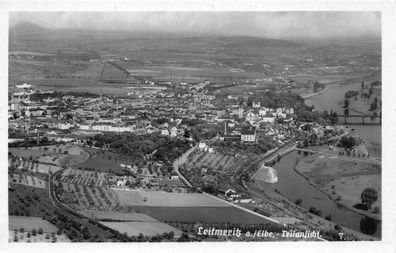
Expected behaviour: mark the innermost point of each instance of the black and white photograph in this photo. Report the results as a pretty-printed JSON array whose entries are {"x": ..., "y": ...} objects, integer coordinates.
[{"x": 195, "y": 126}]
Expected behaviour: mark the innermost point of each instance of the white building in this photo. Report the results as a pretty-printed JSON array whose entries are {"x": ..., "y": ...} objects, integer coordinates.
[
  {"x": 173, "y": 132},
  {"x": 268, "y": 119},
  {"x": 248, "y": 135},
  {"x": 240, "y": 112},
  {"x": 256, "y": 104},
  {"x": 251, "y": 116},
  {"x": 165, "y": 132}
]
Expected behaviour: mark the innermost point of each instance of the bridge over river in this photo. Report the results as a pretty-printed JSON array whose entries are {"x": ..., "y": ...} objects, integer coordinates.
[{"x": 364, "y": 119}]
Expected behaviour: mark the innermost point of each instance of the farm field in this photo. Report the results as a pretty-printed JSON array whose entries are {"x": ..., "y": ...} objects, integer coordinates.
[
  {"x": 76, "y": 175},
  {"x": 30, "y": 223},
  {"x": 29, "y": 201},
  {"x": 29, "y": 181},
  {"x": 84, "y": 197},
  {"x": 91, "y": 72},
  {"x": 28, "y": 237},
  {"x": 56, "y": 155},
  {"x": 111, "y": 73},
  {"x": 146, "y": 228},
  {"x": 213, "y": 161},
  {"x": 158, "y": 198},
  {"x": 34, "y": 166},
  {"x": 113, "y": 215},
  {"x": 204, "y": 214}
]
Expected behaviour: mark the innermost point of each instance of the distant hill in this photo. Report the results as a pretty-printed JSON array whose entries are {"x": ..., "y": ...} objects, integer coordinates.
[
  {"x": 247, "y": 41},
  {"x": 24, "y": 30},
  {"x": 27, "y": 28}
]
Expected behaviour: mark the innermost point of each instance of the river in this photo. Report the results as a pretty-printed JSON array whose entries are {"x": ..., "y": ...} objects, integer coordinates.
[
  {"x": 293, "y": 186},
  {"x": 329, "y": 100}
]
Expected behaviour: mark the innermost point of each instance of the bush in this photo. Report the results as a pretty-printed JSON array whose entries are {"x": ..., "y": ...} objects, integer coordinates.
[
  {"x": 369, "y": 196},
  {"x": 315, "y": 211},
  {"x": 298, "y": 202}
]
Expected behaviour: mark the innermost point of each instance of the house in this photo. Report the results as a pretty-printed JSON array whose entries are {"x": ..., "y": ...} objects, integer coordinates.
[
  {"x": 165, "y": 132},
  {"x": 121, "y": 182},
  {"x": 268, "y": 119},
  {"x": 263, "y": 112},
  {"x": 281, "y": 115},
  {"x": 240, "y": 112},
  {"x": 230, "y": 137},
  {"x": 256, "y": 104},
  {"x": 37, "y": 113},
  {"x": 248, "y": 134},
  {"x": 64, "y": 125},
  {"x": 278, "y": 110},
  {"x": 202, "y": 146},
  {"x": 244, "y": 200},
  {"x": 84, "y": 126},
  {"x": 174, "y": 176},
  {"x": 173, "y": 132},
  {"x": 231, "y": 124},
  {"x": 251, "y": 116},
  {"x": 230, "y": 193}
]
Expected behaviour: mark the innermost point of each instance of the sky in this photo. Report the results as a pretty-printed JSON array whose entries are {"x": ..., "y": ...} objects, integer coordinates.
[{"x": 260, "y": 24}]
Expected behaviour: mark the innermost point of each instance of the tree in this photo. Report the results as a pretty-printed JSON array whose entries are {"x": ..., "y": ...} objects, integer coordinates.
[
  {"x": 346, "y": 103},
  {"x": 337, "y": 227},
  {"x": 348, "y": 142},
  {"x": 298, "y": 202},
  {"x": 369, "y": 196},
  {"x": 368, "y": 225}
]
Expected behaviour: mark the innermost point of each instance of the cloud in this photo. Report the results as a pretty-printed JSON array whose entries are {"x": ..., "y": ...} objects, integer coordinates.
[{"x": 264, "y": 24}]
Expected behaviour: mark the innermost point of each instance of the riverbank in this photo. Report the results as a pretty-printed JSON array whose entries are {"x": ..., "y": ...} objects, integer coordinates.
[
  {"x": 314, "y": 94},
  {"x": 301, "y": 214},
  {"x": 342, "y": 179}
]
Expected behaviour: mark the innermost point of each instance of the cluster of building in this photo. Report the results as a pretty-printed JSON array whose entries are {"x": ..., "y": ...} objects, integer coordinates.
[{"x": 164, "y": 112}]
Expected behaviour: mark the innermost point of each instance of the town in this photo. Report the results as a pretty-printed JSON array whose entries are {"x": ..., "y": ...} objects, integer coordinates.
[{"x": 114, "y": 145}]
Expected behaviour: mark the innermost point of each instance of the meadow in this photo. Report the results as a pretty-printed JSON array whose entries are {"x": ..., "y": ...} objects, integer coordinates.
[
  {"x": 100, "y": 164},
  {"x": 145, "y": 228},
  {"x": 157, "y": 198},
  {"x": 350, "y": 188},
  {"x": 200, "y": 214},
  {"x": 324, "y": 168}
]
